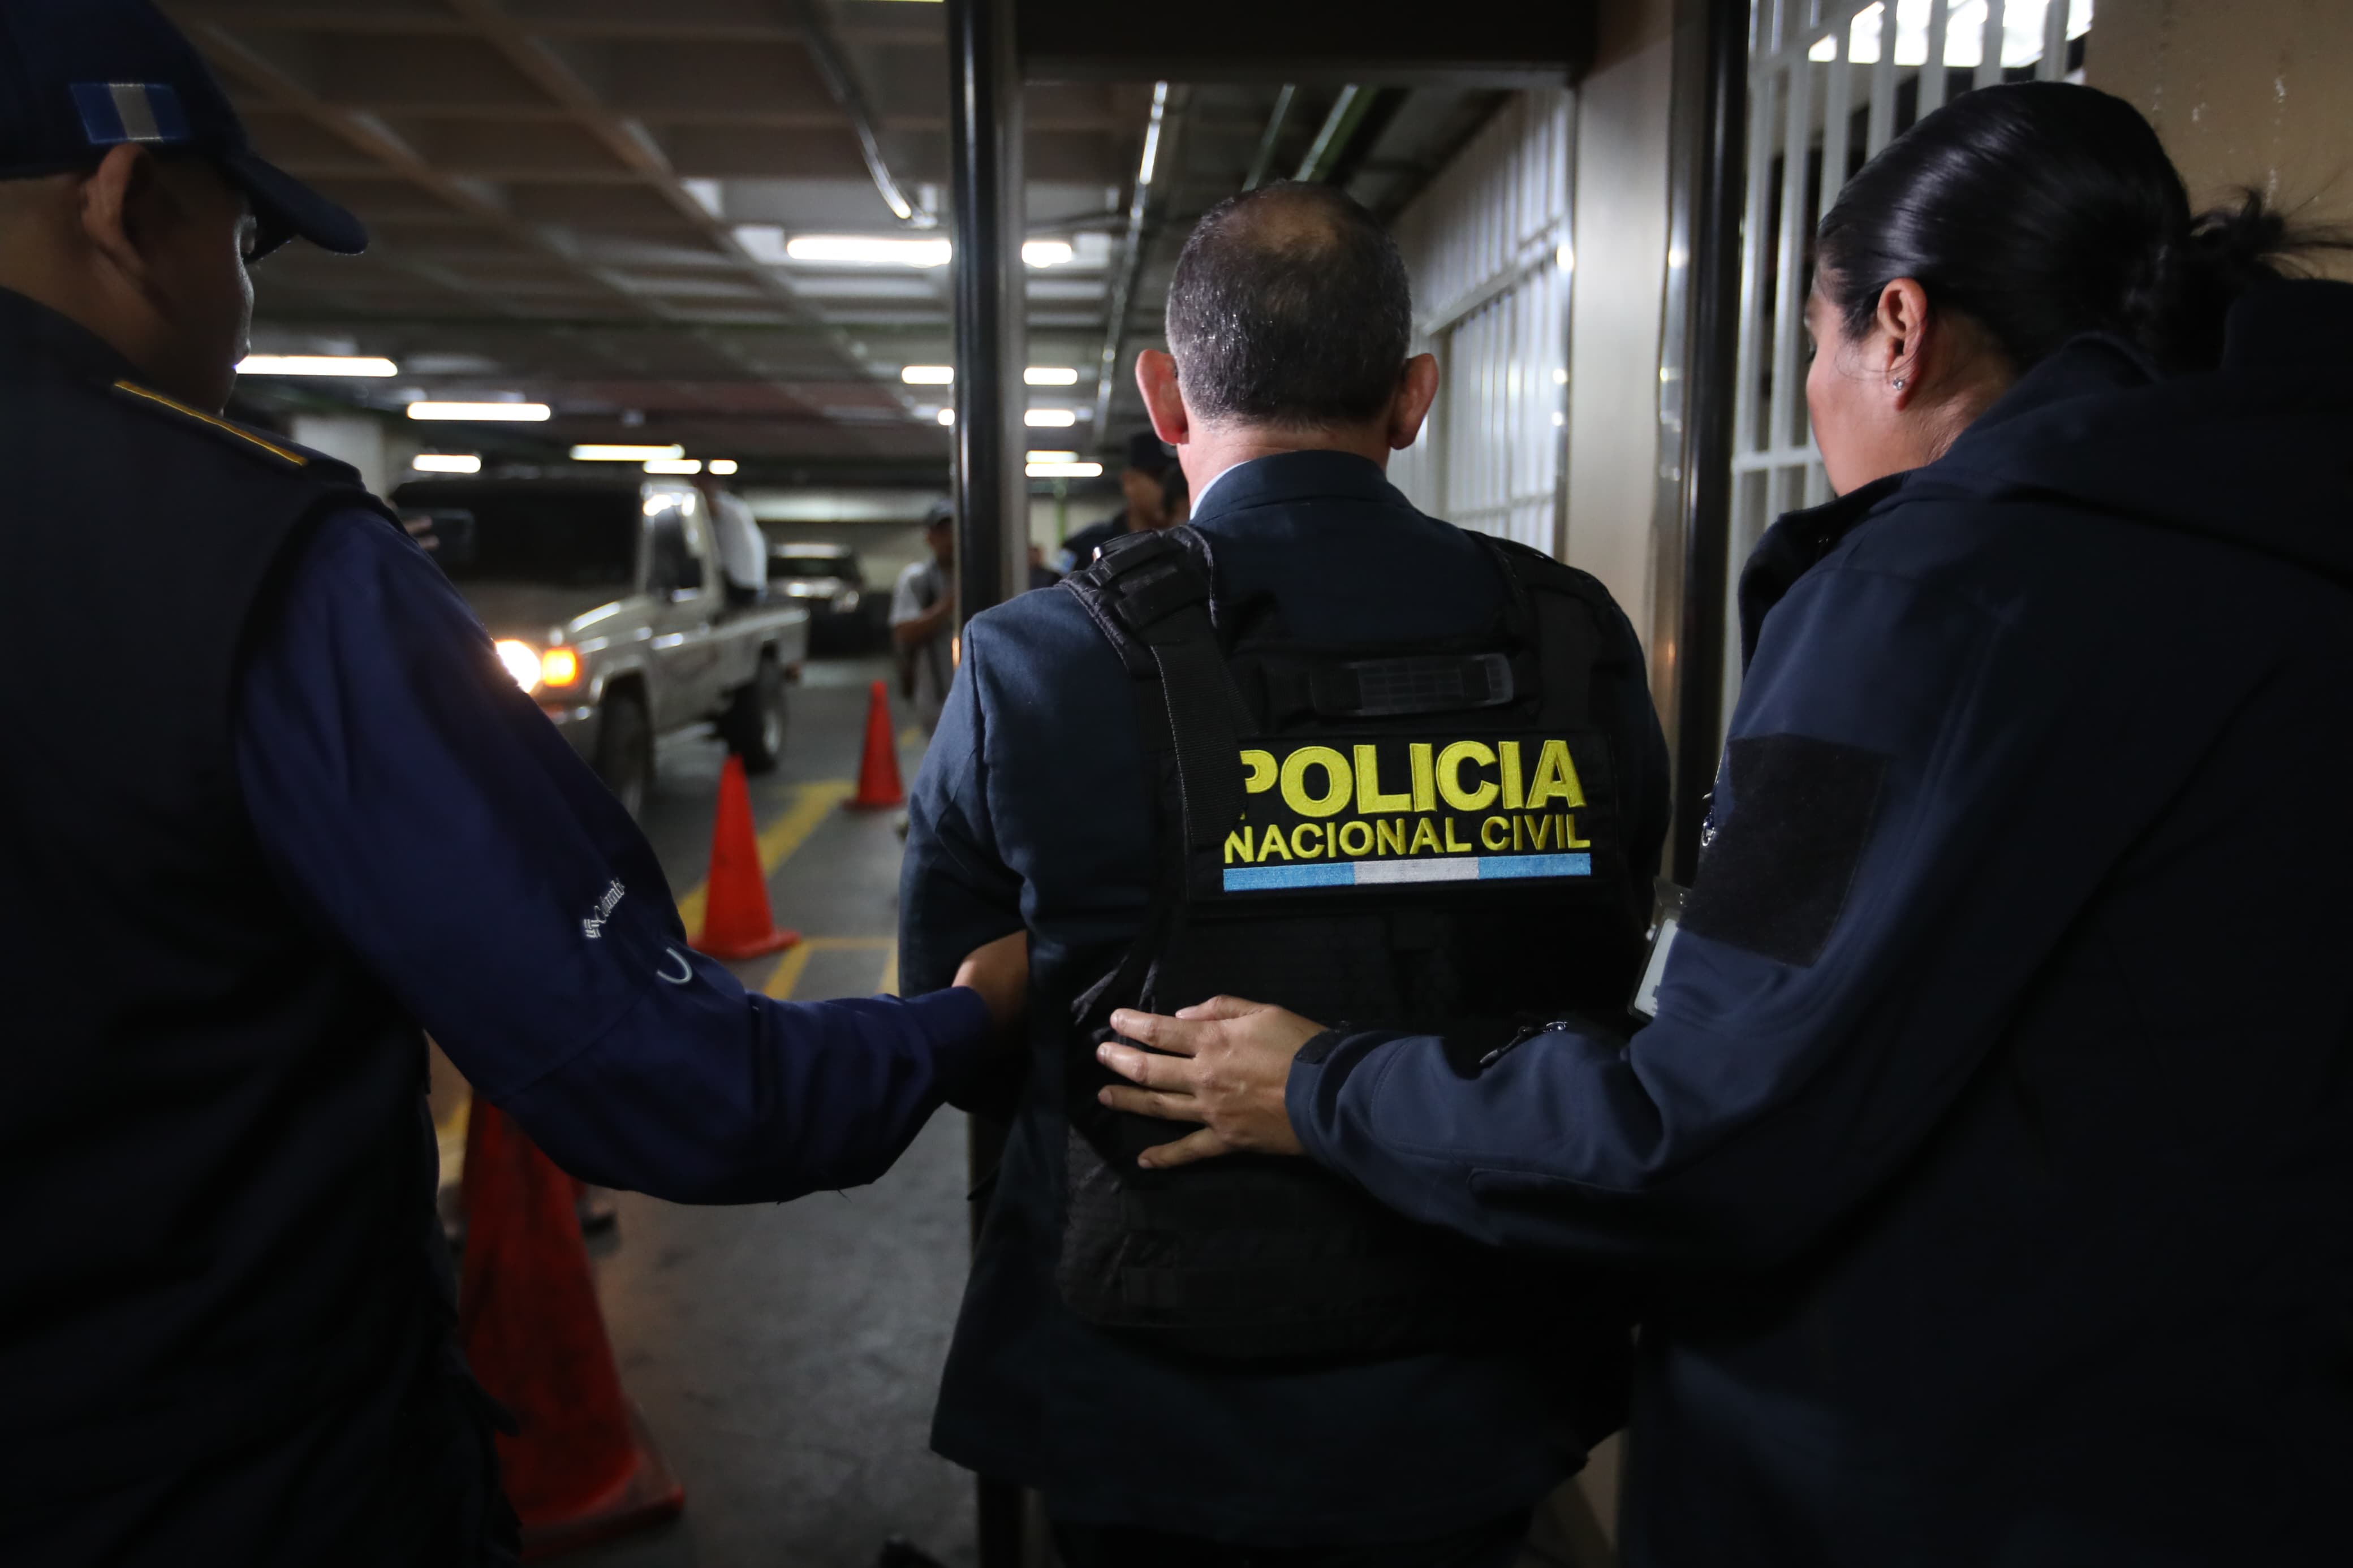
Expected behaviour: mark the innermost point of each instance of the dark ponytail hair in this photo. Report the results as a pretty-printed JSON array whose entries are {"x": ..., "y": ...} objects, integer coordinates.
[{"x": 2042, "y": 210}]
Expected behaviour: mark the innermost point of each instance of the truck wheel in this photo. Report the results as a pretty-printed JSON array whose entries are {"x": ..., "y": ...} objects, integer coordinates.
[
  {"x": 625, "y": 750},
  {"x": 753, "y": 726}
]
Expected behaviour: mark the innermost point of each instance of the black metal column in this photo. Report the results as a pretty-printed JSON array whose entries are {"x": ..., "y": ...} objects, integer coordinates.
[
  {"x": 992, "y": 490},
  {"x": 992, "y": 487},
  {"x": 1700, "y": 364}
]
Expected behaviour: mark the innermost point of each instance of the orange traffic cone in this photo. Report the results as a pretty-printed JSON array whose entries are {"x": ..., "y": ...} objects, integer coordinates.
[
  {"x": 582, "y": 1467},
  {"x": 878, "y": 774},
  {"x": 736, "y": 923}
]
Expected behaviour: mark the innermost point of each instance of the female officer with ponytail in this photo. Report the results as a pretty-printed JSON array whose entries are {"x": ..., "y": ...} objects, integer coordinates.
[{"x": 1993, "y": 1144}]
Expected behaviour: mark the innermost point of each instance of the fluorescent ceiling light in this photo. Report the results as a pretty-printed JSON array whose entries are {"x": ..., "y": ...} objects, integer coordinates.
[
  {"x": 1152, "y": 134},
  {"x": 869, "y": 250},
  {"x": 944, "y": 376},
  {"x": 446, "y": 463},
  {"x": 315, "y": 365},
  {"x": 1047, "y": 252},
  {"x": 673, "y": 465},
  {"x": 947, "y": 416},
  {"x": 1053, "y": 457},
  {"x": 518, "y": 413},
  {"x": 1066, "y": 470},
  {"x": 721, "y": 466},
  {"x": 625, "y": 454},
  {"x": 1050, "y": 418}
]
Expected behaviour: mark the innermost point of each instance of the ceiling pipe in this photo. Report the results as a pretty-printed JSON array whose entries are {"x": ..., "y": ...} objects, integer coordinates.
[
  {"x": 1158, "y": 134},
  {"x": 1264, "y": 161},
  {"x": 834, "y": 66},
  {"x": 1349, "y": 112}
]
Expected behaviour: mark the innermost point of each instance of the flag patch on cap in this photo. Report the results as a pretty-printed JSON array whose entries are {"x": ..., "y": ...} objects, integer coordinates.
[{"x": 117, "y": 111}]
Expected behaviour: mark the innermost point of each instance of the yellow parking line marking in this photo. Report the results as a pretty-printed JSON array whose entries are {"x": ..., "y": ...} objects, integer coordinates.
[
  {"x": 889, "y": 983},
  {"x": 786, "y": 975},
  {"x": 913, "y": 735},
  {"x": 788, "y": 972},
  {"x": 812, "y": 804}
]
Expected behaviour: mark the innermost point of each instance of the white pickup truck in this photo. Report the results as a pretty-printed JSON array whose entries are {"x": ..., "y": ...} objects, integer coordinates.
[{"x": 607, "y": 602}]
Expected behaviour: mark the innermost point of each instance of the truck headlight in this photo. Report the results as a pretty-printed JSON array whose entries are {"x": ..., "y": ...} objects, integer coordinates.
[
  {"x": 521, "y": 660},
  {"x": 845, "y": 602},
  {"x": 531, "y": 669}
]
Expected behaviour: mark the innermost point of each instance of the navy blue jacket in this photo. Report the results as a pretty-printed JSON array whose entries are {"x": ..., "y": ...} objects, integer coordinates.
[
  {"x": 1033, "y": 809},
  {"x": 414, "y": 802},
  {"x": 1996, "y": 1131}
]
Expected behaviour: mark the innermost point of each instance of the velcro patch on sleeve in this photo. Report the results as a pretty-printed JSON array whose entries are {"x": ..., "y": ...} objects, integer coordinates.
[{"x": 1775, "y": 878}]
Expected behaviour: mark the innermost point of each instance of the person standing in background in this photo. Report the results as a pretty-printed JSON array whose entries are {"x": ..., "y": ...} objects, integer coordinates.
[
  {"x": 1144, "y": 484},
  {"x": 923, "y": 620},
  {"x": 743, "y": 548}
]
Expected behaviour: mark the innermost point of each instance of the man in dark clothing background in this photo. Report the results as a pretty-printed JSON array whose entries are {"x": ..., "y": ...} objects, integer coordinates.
[
  {"x": 1143, "y": 482},
  {"x": 1033, "y": 809}
]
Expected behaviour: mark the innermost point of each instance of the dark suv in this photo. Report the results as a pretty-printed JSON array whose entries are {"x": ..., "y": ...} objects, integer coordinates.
[{"x": 827, "y": 581}]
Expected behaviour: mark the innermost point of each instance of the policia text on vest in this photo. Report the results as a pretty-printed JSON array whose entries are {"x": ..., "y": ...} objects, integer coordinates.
[{"x": 1363, "y": 812}]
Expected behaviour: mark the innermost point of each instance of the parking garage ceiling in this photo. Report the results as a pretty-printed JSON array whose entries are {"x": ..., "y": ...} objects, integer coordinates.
[{"x": 596, "y": 204}]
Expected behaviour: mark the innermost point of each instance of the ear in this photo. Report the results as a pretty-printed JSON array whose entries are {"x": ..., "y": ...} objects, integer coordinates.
[
  {"x": 1900, "y": 339},
  {"x": 1155, "y": 377},
  {"x": 1417, "y": 390},
  {"x": 124, "y": 203}
]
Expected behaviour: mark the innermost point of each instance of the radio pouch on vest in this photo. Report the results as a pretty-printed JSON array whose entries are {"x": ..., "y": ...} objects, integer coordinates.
[{"x": 1412, "y": 835}]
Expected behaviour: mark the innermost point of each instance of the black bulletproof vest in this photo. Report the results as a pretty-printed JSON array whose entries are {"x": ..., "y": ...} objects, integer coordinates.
[
  {"x": 216, "y": 1175},
  {"x": 1423, "y": 836}
]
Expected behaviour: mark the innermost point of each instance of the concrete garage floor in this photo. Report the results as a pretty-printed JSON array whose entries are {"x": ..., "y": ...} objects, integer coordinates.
[{"x": 786, "y": 1355}]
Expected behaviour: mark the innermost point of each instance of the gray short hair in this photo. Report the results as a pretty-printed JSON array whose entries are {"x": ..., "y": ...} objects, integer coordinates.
[{"x": 1290, "y": 306}]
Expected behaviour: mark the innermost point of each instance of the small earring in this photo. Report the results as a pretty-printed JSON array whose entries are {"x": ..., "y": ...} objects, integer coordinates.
[{"x": 1897, "y": 384}]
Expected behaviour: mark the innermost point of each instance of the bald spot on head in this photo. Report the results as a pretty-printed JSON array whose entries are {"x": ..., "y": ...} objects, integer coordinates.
[
  {"x": 1289, "y": 220},
  {"x": 1291, "y": 307}
]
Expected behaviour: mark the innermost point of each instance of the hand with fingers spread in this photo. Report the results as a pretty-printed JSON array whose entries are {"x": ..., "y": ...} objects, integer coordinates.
[{"x": 1227, "y": 1063}]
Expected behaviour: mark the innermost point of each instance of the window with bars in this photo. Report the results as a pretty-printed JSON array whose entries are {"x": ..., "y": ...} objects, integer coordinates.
[
  {"x": 1488, "y": 246},
  {"x": 1830, "y": 83}
]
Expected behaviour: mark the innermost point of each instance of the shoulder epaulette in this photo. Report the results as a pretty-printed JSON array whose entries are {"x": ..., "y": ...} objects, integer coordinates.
[{"x": 246, "y": 439}]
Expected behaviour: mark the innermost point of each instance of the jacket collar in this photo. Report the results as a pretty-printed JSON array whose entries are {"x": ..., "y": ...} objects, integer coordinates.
[
  {"x": 31, "y": 333},
  {"x": 1288, "y": 477},
  {"x": 1789, "y": 549},
  {"x": 2087, "y": 366}
]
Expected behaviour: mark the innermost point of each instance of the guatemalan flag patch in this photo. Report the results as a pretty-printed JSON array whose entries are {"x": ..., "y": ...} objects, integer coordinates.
[{"x": 117, "y": 111}]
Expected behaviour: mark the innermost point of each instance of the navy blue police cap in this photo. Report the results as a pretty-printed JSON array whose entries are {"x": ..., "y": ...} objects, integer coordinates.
[{"x": 84, "y": 77}]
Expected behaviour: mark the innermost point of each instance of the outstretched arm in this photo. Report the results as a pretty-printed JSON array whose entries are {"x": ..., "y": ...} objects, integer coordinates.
[{"x": 441, "y": 831}]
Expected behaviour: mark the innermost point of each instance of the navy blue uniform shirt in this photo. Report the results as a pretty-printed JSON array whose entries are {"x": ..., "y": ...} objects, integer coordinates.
[
  {"x": 1033, "y": 809},
  {"x": 417, "y": 802},
  {"x": 2000, "y": 1098}
]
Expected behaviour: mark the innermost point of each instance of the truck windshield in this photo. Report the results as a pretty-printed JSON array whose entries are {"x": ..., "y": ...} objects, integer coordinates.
[{"x": 560, "y": 538}]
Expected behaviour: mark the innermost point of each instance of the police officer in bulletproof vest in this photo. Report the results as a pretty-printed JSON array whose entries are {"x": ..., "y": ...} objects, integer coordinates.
[
  {"x": 1318, "y": 743},
  {"x": 267, "y": 804}
]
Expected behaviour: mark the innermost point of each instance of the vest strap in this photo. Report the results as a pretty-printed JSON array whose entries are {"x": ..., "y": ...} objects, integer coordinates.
[{"x": 1156, "y": 591}]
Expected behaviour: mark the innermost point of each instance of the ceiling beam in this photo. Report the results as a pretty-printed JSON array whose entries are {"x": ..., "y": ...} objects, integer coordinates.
[{"x": 635, "y": 146}]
